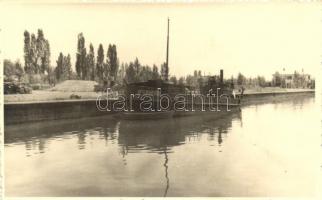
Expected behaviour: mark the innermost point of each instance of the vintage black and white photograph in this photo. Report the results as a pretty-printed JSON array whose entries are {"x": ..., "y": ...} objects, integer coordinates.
[{"x": 161, "y": 99}]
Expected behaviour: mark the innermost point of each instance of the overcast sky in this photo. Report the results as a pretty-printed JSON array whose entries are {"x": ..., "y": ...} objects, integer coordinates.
[{"x": 252, "y": 38}]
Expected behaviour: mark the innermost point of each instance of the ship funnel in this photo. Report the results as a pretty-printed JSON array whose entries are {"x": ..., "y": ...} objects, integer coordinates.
[{"x": 221, "y": 76}]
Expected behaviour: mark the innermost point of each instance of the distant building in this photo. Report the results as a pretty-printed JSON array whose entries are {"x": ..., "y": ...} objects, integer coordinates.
[{"x": 295, "y": 80}]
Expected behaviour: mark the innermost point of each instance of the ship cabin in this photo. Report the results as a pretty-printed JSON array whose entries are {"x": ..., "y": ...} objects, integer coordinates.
[{"x": 154, "y": 89}]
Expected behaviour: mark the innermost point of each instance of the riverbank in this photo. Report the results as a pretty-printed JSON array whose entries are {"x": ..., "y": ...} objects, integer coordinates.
[
  {"x": 27, "y": 109},
  {"x": 58, "y": 96},
  {"x": 276, "y": 90},
  {"x": 45, "y": 95},
  {"x": 16, "y": 112}
]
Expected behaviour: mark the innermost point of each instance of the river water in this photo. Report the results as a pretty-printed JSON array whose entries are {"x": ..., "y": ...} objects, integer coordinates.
[{"x": 267, "y": 149}]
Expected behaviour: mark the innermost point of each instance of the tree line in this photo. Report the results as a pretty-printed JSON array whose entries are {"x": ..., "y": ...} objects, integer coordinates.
[
  {"x": 104, "y": 67},
  {"x": 37, "y": 67},
  {"x": 101, "y": 68},
  {"x": 258, "y": 81},
  {"x": 86, "y": 66},
  {"x": 36, "y": 53}
]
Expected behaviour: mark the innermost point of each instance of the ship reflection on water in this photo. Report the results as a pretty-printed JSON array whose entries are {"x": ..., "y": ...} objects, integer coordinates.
[
  {"x": 131, "y": 135},
  {"x": 200, "y": 155},
  {"x": 160, "y": 136},
  {"x": 154, "y": 136}
]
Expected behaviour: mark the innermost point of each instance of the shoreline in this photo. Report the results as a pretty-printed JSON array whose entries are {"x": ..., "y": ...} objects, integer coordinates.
[
  {"x": 285, "y": 91},
  {"x": 35, "y": 111},
  {"x": 43, "y": 96}
]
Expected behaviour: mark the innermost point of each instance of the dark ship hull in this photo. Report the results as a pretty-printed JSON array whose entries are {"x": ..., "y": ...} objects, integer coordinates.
[{"x": 222, "y": 101}]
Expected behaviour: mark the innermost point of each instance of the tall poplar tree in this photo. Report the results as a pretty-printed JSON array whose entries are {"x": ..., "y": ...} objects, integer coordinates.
[
  {"x": 63, "y": 68},
  {"x": 33, "y": 54},
  {"x": 100, "y": 63},
  {"x": 112, "y": 61},
  {"x": 80, "y": 56},
  {"x": 27, "y": 56},
  {"x": 90, "y": 63}
]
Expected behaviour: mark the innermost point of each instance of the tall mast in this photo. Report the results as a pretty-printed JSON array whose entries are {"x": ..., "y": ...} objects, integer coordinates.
[{"x": 167, "y": 61}]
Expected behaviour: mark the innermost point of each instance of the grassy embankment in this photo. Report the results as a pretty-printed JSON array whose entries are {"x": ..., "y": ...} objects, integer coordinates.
[{"x": 62, "y": 91}]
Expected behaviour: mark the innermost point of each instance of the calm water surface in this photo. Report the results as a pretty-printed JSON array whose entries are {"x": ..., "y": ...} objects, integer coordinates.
[{"x": 265, "y": 150}]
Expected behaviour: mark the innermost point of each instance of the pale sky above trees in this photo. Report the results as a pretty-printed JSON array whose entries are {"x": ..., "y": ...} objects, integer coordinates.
[{"x": 252, "y": 38}]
